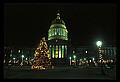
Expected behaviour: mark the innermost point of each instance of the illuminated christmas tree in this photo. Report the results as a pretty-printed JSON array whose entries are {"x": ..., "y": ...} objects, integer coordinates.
[{"x": 41, "y": 58}]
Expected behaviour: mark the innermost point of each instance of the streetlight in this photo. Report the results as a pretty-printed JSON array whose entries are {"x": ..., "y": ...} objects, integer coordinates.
[
  {"x": 99, "y": 44},
  {"x": 74, "y": 60},
  {"x": 14, "y": 60},
  {"x": 22, "y": 60}
]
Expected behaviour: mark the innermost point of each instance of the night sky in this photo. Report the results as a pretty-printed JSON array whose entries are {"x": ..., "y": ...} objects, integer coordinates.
[{"x": 26, "y": 23}]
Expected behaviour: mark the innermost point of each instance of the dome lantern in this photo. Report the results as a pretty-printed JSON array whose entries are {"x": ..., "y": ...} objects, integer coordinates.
[
  {"x": 58, "y": 20},
  {"x": 58, "y": 15}
]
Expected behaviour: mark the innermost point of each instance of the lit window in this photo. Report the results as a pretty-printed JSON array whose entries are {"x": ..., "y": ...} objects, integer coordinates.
[
  {"x": 55, "y": 32},
  {"x": 59, "y": 51},
  {"x": 53, "y": 51},
  {"x": 66, "y": 50},
  {"x": 59, "y": 31},
  {"x": 62, "y": 51},
  {"x": 56, "y": 55}
]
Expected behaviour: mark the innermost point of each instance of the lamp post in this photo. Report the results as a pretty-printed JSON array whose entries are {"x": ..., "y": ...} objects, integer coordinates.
[
  {"x": 99, "y": 44},
  {"x": 74, "y": 60},
  {"x": 22, "y": 60}
]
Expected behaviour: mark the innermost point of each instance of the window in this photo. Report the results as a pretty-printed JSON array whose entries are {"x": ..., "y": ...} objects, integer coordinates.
[
  {"x": 56, "y": 55},
  {"x": 53, "y": 51},
  {"x": 62, "y": 51},
  {"x": 59, "y": 51},
  {"x": 58, "y": 31},
  {"x": 66, "y": 50},
  {"x": 49, "y": 34}
]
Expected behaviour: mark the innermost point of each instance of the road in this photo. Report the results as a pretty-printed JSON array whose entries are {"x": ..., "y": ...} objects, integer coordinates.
[{"x": 59, "y": 73}]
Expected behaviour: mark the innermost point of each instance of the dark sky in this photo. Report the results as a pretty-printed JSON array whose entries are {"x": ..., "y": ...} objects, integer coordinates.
[{"x": 27, "y": 23}]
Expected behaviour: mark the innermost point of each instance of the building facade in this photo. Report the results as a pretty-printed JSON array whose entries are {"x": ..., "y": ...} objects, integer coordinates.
[
  {"x": 90, "y": 54},
  {"x": 58, "y": 41},
  {"x": 84, "y": 55}
]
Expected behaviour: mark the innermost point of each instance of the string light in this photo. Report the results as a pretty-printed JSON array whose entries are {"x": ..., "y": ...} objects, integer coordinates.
[{"x": 42, "y": 56}]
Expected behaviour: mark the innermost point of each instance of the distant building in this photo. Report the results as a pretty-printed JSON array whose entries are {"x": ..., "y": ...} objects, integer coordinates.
[
  {"x": 13, "y": 55},
  {"x": 90, "y": 54},
  {"x": 86, "y": 54}
]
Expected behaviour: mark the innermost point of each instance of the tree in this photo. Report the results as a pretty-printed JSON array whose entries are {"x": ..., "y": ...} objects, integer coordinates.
[{"x": 41, "y": 58}]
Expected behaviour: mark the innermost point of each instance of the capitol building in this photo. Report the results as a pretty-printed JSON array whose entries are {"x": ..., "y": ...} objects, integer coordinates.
[
  {"x": 61, "y": 50},
  {"x": 58, "y": 41}
]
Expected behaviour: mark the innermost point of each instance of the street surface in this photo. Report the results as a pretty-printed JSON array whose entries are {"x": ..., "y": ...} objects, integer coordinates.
[{"x": 68, "y": 72}]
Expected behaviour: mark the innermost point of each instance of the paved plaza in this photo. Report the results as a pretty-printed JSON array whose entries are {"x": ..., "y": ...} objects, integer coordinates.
[{"x": 68, "y": 72}]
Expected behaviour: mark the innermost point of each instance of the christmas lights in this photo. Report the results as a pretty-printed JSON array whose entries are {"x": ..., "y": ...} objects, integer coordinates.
[{"x": 42, "y": 56}]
